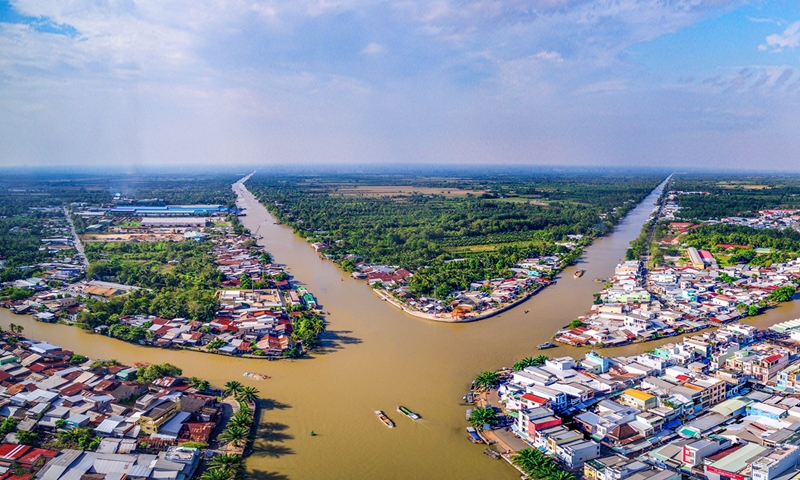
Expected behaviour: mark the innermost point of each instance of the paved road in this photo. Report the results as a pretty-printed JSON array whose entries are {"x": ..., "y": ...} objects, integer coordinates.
[{"x": 76, "y": 241}]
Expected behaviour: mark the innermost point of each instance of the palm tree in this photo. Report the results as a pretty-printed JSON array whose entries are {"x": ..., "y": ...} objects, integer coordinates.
[
  {"x": 526, "y": 459},
  {"x": 247, "y": 394},
  {"x": 525, "y": 362},
  {"x": 234, "y": 434},
  {"x": 483, "y": 415},
  {"x": 199, "y": 384},
  {"x": 560, "y": 474},
  {"x": 227, "y": 462},
  {"x": 216, "y": 475},
  {"x": 486, "y": 380},
  {"x": 12, "y": 327},
  {"x": 539, "y": 360},
  {"x": 232, "y": 388},
  {"x": 241, "y": 419},
  {"x": 317, "y": 324}
]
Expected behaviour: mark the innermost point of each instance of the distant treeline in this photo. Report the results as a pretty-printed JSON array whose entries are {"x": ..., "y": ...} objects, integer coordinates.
[{"x": 731, "y": 196}]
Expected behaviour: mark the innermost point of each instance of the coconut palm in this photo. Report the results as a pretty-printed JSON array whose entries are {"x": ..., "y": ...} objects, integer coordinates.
[
  {"x": 317, "y": 324},
  {"x": 228, "y": 462},
  {"x": 247, "y": 394},
  {"x": 241, "y": 419},
  {"x": 234, "y": 434},
  {"x": 483, "y": 415},
  {"x": 216, "y": 475},
  {"x": 486, "y": 380},
  {"x": 199, "y": 384},
  {"x": 560, "y": 474},
  {"x": 232, "y": 388},
  {"x": 527, "y": 459}
]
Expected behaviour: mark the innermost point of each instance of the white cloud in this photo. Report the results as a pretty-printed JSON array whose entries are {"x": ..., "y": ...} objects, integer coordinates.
[
  {"x": 548, "y": 55},
  {"x": 790, "y": 38},
  {"x": 374, "y": 49}
]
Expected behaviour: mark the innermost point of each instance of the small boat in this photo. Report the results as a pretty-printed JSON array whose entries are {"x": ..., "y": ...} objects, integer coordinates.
[
  {"x": 408, "y": 413},
  {"x": 526, "y": 311},
  {"x": 469, "y": 398},
  {"x": 473, "y": 435},
  {"x": 578, "y": 273},
  {"x": 545, "y": 345},
  {"x": 383, "y": 418},
  {"x": 491, "y": 454},
  {"x": 256, "y": 376}
]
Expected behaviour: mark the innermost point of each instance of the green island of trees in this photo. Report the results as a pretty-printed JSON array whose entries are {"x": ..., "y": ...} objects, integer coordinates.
[{"x": 488, "y": 222}]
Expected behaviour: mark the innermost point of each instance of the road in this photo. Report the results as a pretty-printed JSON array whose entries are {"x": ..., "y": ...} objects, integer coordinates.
[
  {"x": 645, "y": 257},
  {"x": 76, "y": 241}
]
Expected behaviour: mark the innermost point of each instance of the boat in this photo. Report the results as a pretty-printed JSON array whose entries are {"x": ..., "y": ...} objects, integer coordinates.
[
  {"x": 491, "y": 454},
  {"x": 545, "y": 345},
  {"x": 578, "y": 273},
  {"x": 469, "y": 398},
  {"x": 473, "y": 435},
  {"x": 256, "y": 376},
  {"x": 526, "y": 311},
  {"x": 408, "y": 413},
  {"x": 383, "y": 418}
]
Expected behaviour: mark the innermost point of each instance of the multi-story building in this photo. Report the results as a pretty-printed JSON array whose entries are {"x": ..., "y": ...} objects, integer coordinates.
[{"x": 638, "y": 399}]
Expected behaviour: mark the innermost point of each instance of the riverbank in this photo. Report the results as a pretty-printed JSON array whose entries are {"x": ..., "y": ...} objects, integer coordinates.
[
  {"x": 614, "y": 393},
  {"x": 241, "y": 303},
  {"x": 68, "y": 404},
  {"x": 462, "y": 319}
]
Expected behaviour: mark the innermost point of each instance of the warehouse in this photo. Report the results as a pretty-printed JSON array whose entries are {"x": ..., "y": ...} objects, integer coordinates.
[{"x": 173, "y": 222}]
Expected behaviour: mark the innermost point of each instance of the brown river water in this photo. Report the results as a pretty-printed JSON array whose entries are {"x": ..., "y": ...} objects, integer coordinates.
[{"x": 376, "y": 357}]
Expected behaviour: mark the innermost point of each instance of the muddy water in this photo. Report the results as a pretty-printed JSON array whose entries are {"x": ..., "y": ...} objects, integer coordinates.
[{"x": 376, "y": 357}]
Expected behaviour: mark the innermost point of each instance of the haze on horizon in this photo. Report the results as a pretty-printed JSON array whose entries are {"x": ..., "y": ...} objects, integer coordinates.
[{"x": 645, "y": 83}]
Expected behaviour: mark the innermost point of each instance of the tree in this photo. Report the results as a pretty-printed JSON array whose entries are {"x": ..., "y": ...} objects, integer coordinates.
[
  {"x": 241, "y": 419},
  {"x": 151, "y": 373},
  {"x": 226, "y": 462},
  {"x": 61, "y": 423},
  {"x": 530, "y": 362},
  {"x": 561, "y": 475},
  {"x": 247, "y": 395},
  {"x": 82, "y": 438},
  {"x": 26, "y": 438},
  {"x": 216, "y": 475},
  {"x": 199, "y": 384},
  {"x": 575, "y": 324},
  {"x": 8, "y": 425},
  {"x": 482, "y": 416},
  {"x": 526, "y": 459},
  {"x": 232, "y": 388},
  {"x": 486, "y": 380},
  {"x": 77, "y": 359},
  {"x": 234, "y": 434}
]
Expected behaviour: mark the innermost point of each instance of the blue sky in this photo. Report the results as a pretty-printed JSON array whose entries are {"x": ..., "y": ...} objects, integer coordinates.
[{"x": 677, "y": 83}]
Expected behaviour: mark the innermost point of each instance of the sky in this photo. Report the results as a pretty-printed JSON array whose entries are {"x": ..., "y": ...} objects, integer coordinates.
[{"x": 644, "y": 83}]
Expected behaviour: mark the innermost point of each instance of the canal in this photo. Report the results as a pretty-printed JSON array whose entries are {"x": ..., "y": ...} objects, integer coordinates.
[{"x": 375, "y": 357}]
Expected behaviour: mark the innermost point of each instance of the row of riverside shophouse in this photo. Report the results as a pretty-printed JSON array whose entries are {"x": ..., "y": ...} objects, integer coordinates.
[{"x": 719, "y": 405}]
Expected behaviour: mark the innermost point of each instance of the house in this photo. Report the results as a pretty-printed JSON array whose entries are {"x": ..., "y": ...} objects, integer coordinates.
[
  {"x": 156, "y": 416},
  {"x": 638, "y": 399}
]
